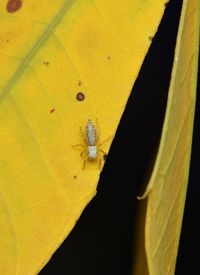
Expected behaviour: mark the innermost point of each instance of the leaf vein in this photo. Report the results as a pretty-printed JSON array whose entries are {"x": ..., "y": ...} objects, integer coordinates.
[{"x": 39, "y": 43}]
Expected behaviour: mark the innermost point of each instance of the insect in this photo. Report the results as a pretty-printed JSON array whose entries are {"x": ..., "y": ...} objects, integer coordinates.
[{"x": 91, "y": 146}]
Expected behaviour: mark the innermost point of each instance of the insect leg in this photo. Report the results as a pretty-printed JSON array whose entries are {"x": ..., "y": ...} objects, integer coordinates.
[
  {"x": 83, "y": 136},
  {"x": 83, "y": 152},
  {"x": 104, "y": 153},
  {"x": 84, "y": 163},
  {"x": 98, "y": 130},
  {"x": 104, "y": 141},
  {"x": 85, "y": 158},
  {"x": 78, "y": 145}
]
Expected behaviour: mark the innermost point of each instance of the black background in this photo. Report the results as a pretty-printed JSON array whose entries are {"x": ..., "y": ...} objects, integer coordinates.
[{"x": 101, "y": 242}]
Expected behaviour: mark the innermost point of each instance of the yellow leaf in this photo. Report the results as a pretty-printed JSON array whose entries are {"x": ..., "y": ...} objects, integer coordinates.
[
  {"x": 53, "y": 53},
  {"x": 166, "y": 189}
]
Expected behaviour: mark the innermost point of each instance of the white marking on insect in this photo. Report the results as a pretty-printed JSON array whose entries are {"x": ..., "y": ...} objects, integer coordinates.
[
  {"x": 92, "y": 152},
  {"x": 91, "y": 147}
]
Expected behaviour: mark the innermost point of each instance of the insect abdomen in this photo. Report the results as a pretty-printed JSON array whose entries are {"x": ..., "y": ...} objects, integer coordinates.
[{"x": 90, "y": 133}]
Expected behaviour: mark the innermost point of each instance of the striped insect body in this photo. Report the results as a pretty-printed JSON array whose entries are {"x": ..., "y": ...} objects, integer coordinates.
[{"x": 90, "y": 133}]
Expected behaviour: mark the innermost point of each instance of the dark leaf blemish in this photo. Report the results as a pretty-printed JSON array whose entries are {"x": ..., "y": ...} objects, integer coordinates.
[
  {"x": 52, "y": 110},
  {"x": 13, "y": 5},
  {"x": 46, "y": 63},
  {"x": 75, "y": 177},
  {"x": 109, "y": 57},
  {"x": 79, "y": 83},
  {"x": 80, "y": 96},
  {"x": 150, "y": 38}
]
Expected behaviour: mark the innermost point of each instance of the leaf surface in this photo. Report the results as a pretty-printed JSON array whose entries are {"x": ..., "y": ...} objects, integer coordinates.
[
  {"x": 167, "y": 187},
  {"x": 53, "y": 52}
]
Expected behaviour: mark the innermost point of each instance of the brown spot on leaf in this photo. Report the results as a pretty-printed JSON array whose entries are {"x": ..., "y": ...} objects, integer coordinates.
[
  {"x": 75, "y": 177},
  {"x": 13, "y": 5},
  {"x": 52, "y": 110},
  {"x": 80, "y": 96},
  {"x": 109, "y": 57},
  {"x": 150, "y": 38},
  {"x": 79, "y": 83},
  {"x": 46, "y": 63}
]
